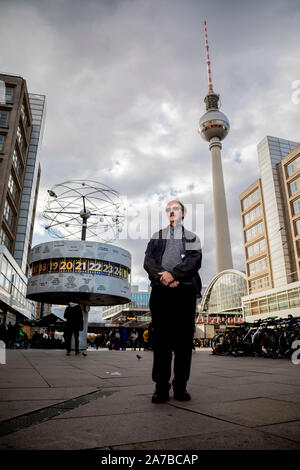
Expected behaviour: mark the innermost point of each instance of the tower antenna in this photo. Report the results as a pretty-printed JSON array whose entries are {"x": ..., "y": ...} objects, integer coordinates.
[{"x": 209, "y": 79}]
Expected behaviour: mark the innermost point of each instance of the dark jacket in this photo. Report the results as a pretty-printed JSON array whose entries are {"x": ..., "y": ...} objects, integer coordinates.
[
  {"x": 187, "y": 270},
  {"x": 74, "y": 318}
]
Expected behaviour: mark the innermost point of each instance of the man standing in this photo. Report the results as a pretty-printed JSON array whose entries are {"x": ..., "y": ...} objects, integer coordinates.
[
  {"x": 74, "y": 324},
  {"x": 172, "y": 260}
]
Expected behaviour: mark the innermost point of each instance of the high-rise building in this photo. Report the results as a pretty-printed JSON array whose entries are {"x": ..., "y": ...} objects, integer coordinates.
[
  {"x": 21, "y": 129},
  {"x": 270, "y": 209}
]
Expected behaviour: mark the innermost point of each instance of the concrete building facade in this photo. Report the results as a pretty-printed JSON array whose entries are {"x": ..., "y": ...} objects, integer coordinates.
[
  {"x": 269, "y": 212},
  {"x": 22, "y": 118}
]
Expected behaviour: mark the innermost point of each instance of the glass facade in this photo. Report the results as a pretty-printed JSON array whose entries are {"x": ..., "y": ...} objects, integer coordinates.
[
  {"x": 225, "y": 294},
  {"x": 13, "y": 286},
  {"x": 31, "y": 181},
  {"x": 139, "y": 301}
]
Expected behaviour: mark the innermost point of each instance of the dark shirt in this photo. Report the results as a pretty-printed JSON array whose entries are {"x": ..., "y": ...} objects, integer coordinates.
[
  {"x": 73, "y": 316},
  {"x": 186, "y": 271}
]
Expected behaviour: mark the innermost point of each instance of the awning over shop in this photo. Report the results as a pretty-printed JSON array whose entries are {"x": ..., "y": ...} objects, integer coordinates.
[{"x": 49, "y": 320}]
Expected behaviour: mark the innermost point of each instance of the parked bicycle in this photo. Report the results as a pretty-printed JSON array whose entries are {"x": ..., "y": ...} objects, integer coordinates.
[{"x": 270, "y": 337}]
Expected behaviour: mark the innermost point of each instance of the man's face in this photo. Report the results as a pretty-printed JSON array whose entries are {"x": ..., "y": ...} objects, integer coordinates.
[{"x": 174, "y": 212}]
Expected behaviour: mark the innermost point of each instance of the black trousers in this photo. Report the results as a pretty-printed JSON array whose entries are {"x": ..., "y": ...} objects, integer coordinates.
[
  {"x": 69, "y": 331},
  {"x": 173, "y": 321}
]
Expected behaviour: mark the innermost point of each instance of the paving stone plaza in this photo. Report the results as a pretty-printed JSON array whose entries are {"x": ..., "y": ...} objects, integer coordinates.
[{"x": 49, "y": 401}]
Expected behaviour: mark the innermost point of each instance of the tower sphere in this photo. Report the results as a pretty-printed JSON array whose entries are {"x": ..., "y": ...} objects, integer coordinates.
[{"x": 213, "y": 124}]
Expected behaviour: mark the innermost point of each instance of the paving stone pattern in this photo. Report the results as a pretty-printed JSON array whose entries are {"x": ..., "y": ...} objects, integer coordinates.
[{"x": 49, "y": 401}]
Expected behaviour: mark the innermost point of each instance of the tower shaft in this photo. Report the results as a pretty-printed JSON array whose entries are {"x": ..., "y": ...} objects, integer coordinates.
[{"x": 222, "y": 236}]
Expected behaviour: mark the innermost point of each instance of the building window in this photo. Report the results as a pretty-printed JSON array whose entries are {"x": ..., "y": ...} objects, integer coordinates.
[
  {"x": 9, "y": 93},
  {"x": 9, "y": 214},
  {"x": 256, "y": 248},
  {"x": 296, "y": 205},
  {"x": 261, "y": 283},
  {"x": 4, "y": 239},
  {"x": 3, "y": 118},
  {"x": 263, "y": 306},
  {"x": 297, "y": 224},
  {"x": 24, "y": 116},
  {"x": 294, "y": 299},
  {"x": 17, "y": 164},
  {"x": 251, "y": 268},
  {"x": 2, "y": 138},
  {"x": 254, "y": 231},
  {"x": 272, "y": 301},
  {"x": 282, "y": 301},
  {"x": 13, "y": 188},
  {"x": 249, "y": 200},
  {"x": 246, "y": 308},
  {"x": 294, "y": 187},
  {"x": 291, "y": 168},
  {"x": 258, "y": 266},
  {"x": 20, "y": 139},
  {"x": 254, "y": 307}
]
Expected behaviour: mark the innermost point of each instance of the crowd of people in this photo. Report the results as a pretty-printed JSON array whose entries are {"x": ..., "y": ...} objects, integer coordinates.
[
  {"x": 118, "y": 339},
  {"x": 14, "y": 337},
  {"x": 122, "y": 339}
]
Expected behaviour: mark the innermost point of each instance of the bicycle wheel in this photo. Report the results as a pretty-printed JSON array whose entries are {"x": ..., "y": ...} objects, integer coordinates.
[
  {"x": 221, "y": 345},
  {"x": 264, "y": 345},
  {"x": 286, "y": 340},
  {"x": 238, "y": 348}
]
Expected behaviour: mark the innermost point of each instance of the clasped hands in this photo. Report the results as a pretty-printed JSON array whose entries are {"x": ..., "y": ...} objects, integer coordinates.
[{"x": 167, "y": 279}]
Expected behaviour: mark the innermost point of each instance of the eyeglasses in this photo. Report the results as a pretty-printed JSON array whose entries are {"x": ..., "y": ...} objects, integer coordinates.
[{"x": 174, "y": 208}]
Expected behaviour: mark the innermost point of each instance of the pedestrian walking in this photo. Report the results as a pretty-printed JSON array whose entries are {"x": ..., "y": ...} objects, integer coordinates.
[
  {"x": 74, "y": 324},
  {"x": 133, "y": 339}
]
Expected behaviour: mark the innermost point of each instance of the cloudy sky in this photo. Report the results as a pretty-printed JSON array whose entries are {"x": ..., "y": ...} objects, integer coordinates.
[{"x": 125, "y": 82}]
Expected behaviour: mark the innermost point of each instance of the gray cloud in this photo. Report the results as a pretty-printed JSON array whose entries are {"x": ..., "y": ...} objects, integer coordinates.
[{"x": 125, "y": 82}]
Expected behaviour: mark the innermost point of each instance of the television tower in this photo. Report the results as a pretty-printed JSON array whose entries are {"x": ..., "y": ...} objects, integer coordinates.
[{"x": 214, "y": 127}]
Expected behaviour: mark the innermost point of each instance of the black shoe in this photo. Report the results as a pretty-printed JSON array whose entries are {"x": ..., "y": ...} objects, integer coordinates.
[
  {"x": 182, "y": 396},
  {"x": 160, "y": 397}
]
